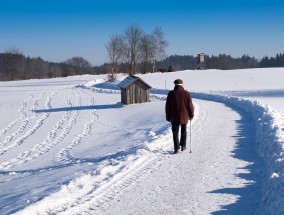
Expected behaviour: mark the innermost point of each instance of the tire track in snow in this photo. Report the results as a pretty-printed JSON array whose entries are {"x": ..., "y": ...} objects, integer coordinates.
[
  {"x": 113, "y": 184},
  {"x": 22, "y": 116},
  {"x": 53, "y": 138},
  {"x": 30, "y": 132},
  {"x": 25, "y": 121},
  {"x": 94, "y": 191},
  {"x": 63, "y": 156},
  {"x": 43, "y": 147}
]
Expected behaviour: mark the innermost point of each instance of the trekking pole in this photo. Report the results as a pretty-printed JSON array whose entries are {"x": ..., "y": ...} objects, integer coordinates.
[{"x": 190, "y": 138}]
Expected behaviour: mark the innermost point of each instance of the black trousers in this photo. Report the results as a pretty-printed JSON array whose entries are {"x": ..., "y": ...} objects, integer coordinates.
[{"x": 182, "y": 142}]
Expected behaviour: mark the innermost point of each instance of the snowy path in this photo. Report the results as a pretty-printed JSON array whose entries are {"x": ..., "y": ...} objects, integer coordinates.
[{"x": 219, "y": 177}]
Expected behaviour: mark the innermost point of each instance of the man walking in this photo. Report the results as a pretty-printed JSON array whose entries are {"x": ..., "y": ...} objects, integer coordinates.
[{"x": 179, "y": 109}]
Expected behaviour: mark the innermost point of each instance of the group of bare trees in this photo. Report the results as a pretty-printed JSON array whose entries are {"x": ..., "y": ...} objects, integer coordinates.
[
  {"x": 79, "y": 66},
  {"x": 14, "y": 62},
  {"x": 136, "y": 49},
  {"x": 15, "y": 66}
]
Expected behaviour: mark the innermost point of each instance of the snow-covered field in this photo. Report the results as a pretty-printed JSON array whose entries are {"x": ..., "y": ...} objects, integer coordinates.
[{"x": 68, "y": 146}]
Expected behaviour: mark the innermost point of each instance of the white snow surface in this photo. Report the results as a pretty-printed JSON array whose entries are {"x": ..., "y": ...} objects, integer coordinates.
[{"x": 68, "y": 146}]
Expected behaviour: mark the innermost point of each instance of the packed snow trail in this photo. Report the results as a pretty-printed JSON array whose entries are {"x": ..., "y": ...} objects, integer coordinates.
[{"x": 220, "y": 176}]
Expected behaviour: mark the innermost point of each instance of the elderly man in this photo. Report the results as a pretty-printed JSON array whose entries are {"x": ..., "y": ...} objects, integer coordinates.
[{"x": 179, "y": 109}]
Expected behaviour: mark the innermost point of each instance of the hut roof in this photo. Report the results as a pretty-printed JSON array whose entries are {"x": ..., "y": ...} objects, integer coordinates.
[{"x": 130, "y": 80}]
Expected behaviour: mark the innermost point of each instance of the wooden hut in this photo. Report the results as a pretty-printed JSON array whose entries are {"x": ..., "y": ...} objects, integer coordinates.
[{"x": 134, "y": 90}]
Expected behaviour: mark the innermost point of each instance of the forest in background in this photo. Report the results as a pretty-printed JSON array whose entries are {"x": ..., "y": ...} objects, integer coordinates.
[
  {"x": 16, "y": 66},
  {"x": 189, "y": 62}
]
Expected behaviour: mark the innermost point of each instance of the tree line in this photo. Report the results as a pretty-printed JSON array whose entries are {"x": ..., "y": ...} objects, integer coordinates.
[
  {"x": 14, "y": 65},
  {"x": 222, "y": 61},
  {"x": 277, "y": 61},
  {"x": 189, "y": 62}
]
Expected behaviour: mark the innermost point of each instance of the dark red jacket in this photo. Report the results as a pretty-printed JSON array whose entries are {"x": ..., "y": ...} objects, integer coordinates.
[{"x": 179, "y": 107}]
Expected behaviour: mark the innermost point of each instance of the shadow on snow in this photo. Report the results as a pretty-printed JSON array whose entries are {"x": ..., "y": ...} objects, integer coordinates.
[
  {"x": 259, "y": 93},
  {"x": 76, "y": 108},
  {"x": 250, "y": 193}
]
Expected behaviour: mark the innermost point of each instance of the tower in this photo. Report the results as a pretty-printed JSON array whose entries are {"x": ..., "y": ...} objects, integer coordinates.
[{"x": 200, "y": 61}]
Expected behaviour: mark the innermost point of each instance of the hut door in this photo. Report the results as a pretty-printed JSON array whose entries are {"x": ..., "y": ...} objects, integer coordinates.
[{"x": 140, "y": 96}]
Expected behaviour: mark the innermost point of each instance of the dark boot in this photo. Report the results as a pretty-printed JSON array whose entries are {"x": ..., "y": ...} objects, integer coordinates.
[{"x": 176, "y": 151}]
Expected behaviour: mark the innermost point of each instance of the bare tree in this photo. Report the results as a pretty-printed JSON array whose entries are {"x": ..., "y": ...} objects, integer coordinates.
[
  {"x": 159, "y": 45},
  {"x": 115, "y": 50},
  {"x": 132, "y": 36},
  {"x": 80, "y": 64},
  {"x": 54, "y": 70},
  {"x": 38, "y": 68},
  {"x": 146, "y": 51}
]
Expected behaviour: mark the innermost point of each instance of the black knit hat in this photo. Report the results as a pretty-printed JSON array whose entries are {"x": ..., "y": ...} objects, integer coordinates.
[{"x": 178, "y": 81}]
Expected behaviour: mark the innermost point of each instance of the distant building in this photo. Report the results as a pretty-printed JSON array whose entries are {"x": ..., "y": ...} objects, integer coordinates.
[
  {"x": 200, "y": 61},
  {"x": 134, "y": 90}
]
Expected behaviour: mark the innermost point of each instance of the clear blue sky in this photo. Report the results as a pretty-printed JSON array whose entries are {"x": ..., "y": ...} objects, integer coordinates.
[{"x": 56, "y": 30}]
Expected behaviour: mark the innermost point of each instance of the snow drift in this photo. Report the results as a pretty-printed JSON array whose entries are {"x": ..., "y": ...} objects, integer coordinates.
[{"x": 270, "y": 146}]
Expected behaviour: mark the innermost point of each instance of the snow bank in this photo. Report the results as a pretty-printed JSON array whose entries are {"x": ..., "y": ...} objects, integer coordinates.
[
  {"x": 91, "y": 83},
  {"x": 100, "y": 86},
  {"x": 270, "y": 146}
]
